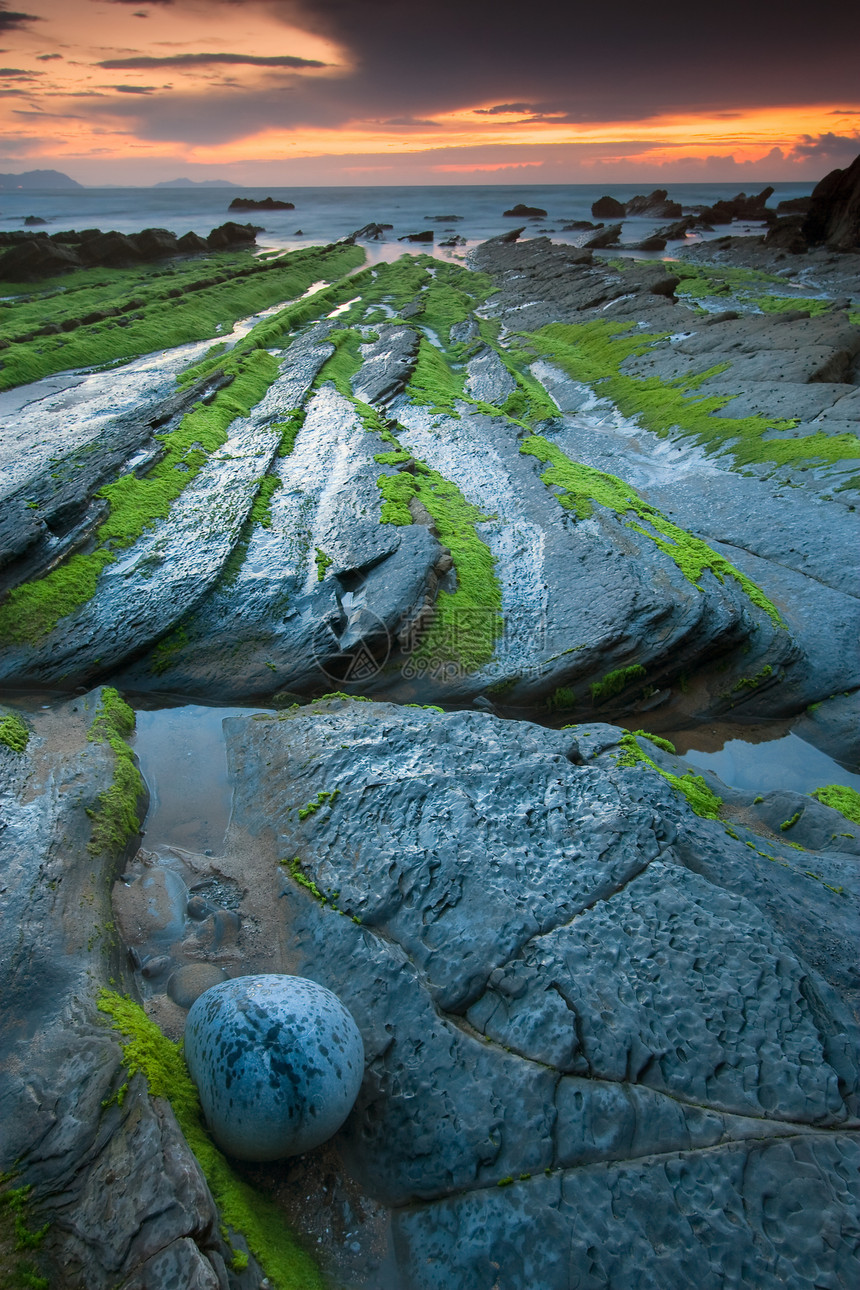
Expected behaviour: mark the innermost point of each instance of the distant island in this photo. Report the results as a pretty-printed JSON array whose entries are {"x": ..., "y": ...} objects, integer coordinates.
[
  {"x": 196, "y": 183},
  {"x": 37, "y": 179}
]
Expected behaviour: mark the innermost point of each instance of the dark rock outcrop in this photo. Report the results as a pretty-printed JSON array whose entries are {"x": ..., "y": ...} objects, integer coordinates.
[
  {"x": 426, "y": 236},
  {"x": 37, "y": 258},
  {"x": 606, "y": 237},
  {"x": 36, "y": 255},
  {"x": 742, "y": 207},
  {"x": 192, "y": 244},
  {"x": 260, "y": 204},
  {"x": 834, "y": 210},
  {"x": 232, "y": 234},
  {"x": 156, "y": 243},
  {"x": 656, "y": 204},
  {"x": 520, "y": 211},
  {"x": 787, "y": 235},
  {"x": 793, "y": 206},
  {"x": 115, "y": 250},
  {"x": 653, "y": 243},
  {"x": 607, "y": 208}
]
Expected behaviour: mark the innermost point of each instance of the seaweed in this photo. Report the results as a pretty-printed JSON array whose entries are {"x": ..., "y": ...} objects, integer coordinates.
[
  {"x": 13, "y": 732},
  {"x": 147, "y": 1051},
  {"x": 115, "y": 818},
  {"x": 840, "y": 798},
  {"x": 593, "y": 352},
  {"x": 584, "y": 487}
]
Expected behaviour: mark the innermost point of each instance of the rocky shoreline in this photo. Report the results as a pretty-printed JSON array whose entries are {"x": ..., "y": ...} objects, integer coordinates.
[{"x": 609, "y": 1005}]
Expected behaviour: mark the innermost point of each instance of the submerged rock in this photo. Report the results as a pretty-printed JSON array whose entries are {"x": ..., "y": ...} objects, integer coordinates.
[
  {"x": 278, "y": 1062},
  {"x": 520, "y": 211}
]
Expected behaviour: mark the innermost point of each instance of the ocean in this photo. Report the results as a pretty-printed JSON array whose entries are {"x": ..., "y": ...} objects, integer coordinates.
[{"x": 327, "y": 214}]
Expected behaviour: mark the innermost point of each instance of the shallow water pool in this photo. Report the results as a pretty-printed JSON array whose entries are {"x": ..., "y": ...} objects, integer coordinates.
[
  {"x": 788, "y": 763},
  {"x": 183, "y": 759}
]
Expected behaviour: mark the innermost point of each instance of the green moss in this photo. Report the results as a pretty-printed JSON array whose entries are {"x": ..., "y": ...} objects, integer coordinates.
[
  {"x": 115, "y": 818},
  {"x": 450, "y": 297},
  {"x": 322, "y": 799},
  {"x": 701, "y": 799},
  {"x": 16, "y": 1237},
  {"x": 786, "y": 304},
  {"x": 434, "y": 382},
  {"x": 842, "y": 799},
  {"x": 14, "y": 1201},
  {"x": 233, "y": 286},
  {"x": 656, "y": 740},
  {"x": 261, "y": 511},
  {"x": 753, "y": 682},
  {"x": 323, "y": 562},
  {"x": 261, "y": 1223},
  {"x": 789, "y": 824},
  {"x": 296, "y": 873},
  {"x": 584, "y": 487},
  {"x": 33, "y": 610},
  {"x": 344, "y": 362},
  {"x": 289, "y": 431},
  {"x": 164, "y": 654},
  {"x": 339, "y": 694},
  {"x": 593, "y": 352},
  {"x": 13, "y": 732},
  {"x": 466, "y": 622},
  {"x": 614, "y": 683},
  {"x": 561, "y": 699}
]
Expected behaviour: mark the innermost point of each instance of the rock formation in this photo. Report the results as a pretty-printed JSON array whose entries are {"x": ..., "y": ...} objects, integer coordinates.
[{"x": 834, "y": 210}]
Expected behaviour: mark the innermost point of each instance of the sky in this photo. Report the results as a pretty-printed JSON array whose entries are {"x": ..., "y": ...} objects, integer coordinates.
[{"x": 292, "y": 92}]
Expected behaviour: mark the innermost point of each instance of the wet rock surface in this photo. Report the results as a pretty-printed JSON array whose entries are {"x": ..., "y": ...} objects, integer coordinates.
[
  {"x": 609, "y": 1041},
  {"x": 323, "y": 594},
  {"x": 632, "y": 1016},
  {"x": 66, "y": 1132}
]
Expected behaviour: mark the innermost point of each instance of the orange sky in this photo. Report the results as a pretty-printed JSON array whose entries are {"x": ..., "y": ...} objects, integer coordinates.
[{"x": 121, "y": 91}]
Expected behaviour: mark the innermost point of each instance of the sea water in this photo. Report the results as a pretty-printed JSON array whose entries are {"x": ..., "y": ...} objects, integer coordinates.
[{"x": 324, "y": 215}]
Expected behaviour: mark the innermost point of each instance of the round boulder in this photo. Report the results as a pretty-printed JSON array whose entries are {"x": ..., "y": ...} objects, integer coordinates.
[
  {"x": 278, "y": 1062},
  {"x": 193, "y": 979}
]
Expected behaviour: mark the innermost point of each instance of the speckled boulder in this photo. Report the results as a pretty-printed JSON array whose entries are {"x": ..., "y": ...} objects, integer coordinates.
[{"x": 278, "y": 1062}]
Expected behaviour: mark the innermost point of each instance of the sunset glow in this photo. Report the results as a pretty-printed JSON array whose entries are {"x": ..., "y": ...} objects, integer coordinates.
[{"x": 125, "y": 93}]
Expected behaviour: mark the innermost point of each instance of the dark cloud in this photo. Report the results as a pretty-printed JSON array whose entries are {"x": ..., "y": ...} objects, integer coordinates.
[
  {"x": 828, "y": 145},
  {"x": 743, "y": 55},
  {"x": 505, "y": 107},
  {"x": 134, "y": 89},
  {"x": 47, "y": 58},
  {"x": 203, "y": 60},
  {"x": 139, "y": 2},
  {"x": 564, "y": 65},
  {"x": 10, "y": 21},
  {"x": 18, "y": 74}
]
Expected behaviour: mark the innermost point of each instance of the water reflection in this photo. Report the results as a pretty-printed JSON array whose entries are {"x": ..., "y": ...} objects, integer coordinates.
[
  {"x": 184, "y": 762},
  {"x": 788, "y": 763}
]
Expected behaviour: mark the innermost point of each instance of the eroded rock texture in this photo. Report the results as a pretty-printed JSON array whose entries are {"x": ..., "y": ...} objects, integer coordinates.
[
  {"x": 123, "y": 1197},
  {"x": 597, "y": 1054}
]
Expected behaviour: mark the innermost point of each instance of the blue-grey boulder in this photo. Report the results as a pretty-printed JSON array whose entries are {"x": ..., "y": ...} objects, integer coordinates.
[{"x": 278, "y": 1062}]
